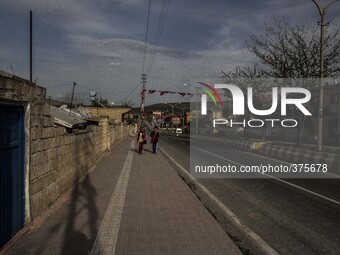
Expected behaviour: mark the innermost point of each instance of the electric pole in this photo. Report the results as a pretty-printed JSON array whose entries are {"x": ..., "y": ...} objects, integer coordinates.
[
  {"x": 31, "y": 45},
  {"x": 322, "y": 11},
  {"x": 143, "y": 78},
  {"x": 74, "y": 84}
]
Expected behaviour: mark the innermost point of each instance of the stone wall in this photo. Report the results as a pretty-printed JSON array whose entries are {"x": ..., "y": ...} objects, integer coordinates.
[
  {"x": 59, "y": 160},
  {"x": 54, "y": 159}
]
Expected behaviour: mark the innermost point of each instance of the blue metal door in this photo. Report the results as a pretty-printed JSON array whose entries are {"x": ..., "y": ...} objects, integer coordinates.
[{"x": 11, "y": 171}]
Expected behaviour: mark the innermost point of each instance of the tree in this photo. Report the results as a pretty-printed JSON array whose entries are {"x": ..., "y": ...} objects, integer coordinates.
[
  {"x": 244, "y": 77},
  {"x": 247, "y": 76},
  {"x": 100, "y": 102},
  {"x": 287, "y": 51},
  {"x": 127, "y": 103},
  {"x": 66, "y": 98}
]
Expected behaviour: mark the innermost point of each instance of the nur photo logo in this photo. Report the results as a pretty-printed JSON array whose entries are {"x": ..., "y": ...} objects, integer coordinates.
[
  {"x": 208, "y": 90},
  {"x": 238, "y": 103}
]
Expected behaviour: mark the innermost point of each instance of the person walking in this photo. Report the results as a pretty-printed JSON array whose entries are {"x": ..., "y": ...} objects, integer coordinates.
[
  {"x": 141, "y": 139},
  {"x": 155, "y": 139}
]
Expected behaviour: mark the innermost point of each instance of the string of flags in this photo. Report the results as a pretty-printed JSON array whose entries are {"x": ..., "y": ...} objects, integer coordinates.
[{"x": 163, "y": 92}]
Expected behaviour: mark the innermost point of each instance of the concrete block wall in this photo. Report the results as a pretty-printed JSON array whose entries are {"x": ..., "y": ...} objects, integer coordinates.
[
  {"x": 54, "y": 159},
  {"x": 118, "y": 132},
  {"x": 60, "y": 160},
  {"x": 14, "y": 89}
]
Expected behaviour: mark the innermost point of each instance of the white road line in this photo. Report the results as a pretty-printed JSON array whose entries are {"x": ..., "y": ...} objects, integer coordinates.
[
  {"x": 105, "y": 243},
  {"x": 277, "y": 179},
  {"x": 332, "y": 175},
  {"x": 267, "y": 249}
]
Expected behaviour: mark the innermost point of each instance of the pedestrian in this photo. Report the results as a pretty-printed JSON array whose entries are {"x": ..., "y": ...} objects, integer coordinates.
[
  {"x": 141, "y": 139},
  {"x": 155, "y": 139}
]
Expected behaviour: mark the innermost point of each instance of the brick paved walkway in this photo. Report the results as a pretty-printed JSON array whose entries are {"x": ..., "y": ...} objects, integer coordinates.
[{"x": 130, "y": 204}]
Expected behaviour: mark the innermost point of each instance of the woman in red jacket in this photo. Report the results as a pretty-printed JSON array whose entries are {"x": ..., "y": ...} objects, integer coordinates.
[{"x": 154, "y": 139}]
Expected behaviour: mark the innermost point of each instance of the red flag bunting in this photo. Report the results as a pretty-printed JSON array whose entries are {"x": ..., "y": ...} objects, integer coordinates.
[{"x": 163, "y": 92}]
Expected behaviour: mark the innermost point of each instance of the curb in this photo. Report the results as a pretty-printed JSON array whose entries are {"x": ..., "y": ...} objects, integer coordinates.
[
  {"x": 301, "y": 156},
  {"x": 235, "y": 229},
  {"x": 234, "y": 143}
]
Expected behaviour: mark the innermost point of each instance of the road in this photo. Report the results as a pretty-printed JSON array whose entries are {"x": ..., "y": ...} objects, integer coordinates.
[{"x": 292, "y": 216}]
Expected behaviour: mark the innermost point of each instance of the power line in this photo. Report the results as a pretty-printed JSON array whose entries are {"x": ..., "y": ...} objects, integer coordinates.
[
  {"x": 143, "y": 75},
  {"x": 130, "y": 93},
  {"x": 146, "y": 35},
  {"x": 67, "y": 84},
  {"x": 59, "y": 85},
  {"x": 84, "y": 87},
  {"x": 159, "y": 31}
]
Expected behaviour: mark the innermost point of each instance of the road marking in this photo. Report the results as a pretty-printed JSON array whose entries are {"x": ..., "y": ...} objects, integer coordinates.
[
  {"x": 277, "y": 179},
  {"x": 106, "y": 239},
  {"x": 267, "y": 249},
  {"x": 333, "y": 175}
]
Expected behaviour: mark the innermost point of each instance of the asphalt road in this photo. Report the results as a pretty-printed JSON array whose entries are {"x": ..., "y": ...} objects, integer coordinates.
[{"x": 293, "y": 216}]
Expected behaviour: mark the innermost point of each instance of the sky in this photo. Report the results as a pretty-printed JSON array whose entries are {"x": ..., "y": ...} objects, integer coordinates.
[{"x": 99, "y": 44}]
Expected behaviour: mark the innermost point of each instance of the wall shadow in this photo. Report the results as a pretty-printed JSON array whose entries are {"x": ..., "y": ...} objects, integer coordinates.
[
  {"x": 81, "y": 230},
  {"x": 82, "y": 213}
]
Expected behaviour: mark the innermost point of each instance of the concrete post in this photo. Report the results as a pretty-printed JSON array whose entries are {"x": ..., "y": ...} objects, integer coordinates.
[
  {"x": 121, "y": 131},
  {"x": 104, "y": 123}
]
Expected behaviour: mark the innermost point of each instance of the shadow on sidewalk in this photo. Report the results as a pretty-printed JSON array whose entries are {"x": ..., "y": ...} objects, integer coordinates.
[
  {"x": 144, "y": 150},
  {"x": 81, "y": 230},
  {"x": 82, "y": 214}
]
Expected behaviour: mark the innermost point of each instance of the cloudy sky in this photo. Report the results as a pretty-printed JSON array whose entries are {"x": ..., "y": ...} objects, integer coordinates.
[{"x": 99, "y": 44}]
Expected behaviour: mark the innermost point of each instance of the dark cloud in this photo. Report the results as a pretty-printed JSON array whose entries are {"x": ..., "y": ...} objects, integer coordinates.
[{"x": 100, "y": 43}]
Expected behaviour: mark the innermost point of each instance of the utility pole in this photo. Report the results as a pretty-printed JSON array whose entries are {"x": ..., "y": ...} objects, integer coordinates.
[
  {"x": 196, "y": 126},
  {"x": 196, "y": 93},
  {"x": 183, "y": 117},
  {"x": 143, "y": 80},
  {"x": 74, "y": 84},
  {"x": 172, "y": 107},
  {"x": 31, "y": 46},
  {"x": 322, "y": 11}
]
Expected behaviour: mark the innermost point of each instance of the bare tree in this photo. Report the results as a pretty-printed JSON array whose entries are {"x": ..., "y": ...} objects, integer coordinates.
[
  {"x": 245, "y": 77},
  {"x": 288, "y": 51},
  {"x": 66, "y": 98},
  {"x": 127, "y": 103}
]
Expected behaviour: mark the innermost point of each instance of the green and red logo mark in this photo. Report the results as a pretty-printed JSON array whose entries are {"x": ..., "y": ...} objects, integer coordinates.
[{"x": 212, "y": 93}]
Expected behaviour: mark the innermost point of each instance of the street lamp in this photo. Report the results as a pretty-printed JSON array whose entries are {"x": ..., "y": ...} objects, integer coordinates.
[
  {"x": 172, "y": 107},
  {"x": 196, "y": 93},
  {"x": 322, "y": 11}
]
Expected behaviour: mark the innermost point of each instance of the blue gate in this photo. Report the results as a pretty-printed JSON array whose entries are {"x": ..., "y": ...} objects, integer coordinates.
[{"x": 11, "y": 171}]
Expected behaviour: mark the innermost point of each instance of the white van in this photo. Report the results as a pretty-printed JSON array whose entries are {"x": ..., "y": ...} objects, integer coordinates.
[{"x": 178, "y": 131}]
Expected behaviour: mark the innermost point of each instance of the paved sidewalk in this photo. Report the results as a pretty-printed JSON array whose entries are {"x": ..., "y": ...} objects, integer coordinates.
[{"x": 130, "y": 204}]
